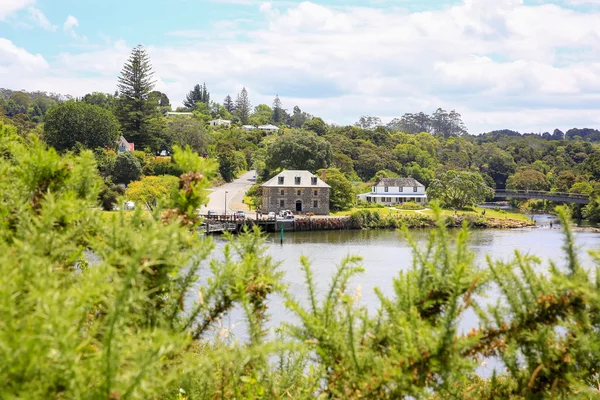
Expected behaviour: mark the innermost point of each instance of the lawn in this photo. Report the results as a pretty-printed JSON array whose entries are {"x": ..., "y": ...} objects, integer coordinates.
[{"x": 489, "y": 213}]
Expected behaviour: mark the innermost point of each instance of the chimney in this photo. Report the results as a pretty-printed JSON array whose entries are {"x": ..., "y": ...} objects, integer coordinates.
[{"x": 323, "y": 174}]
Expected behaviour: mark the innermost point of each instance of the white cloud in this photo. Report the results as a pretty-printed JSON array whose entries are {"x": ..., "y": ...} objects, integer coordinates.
[
  {"x": 38, "y": 17},
  {"x": 501, "y": 63},
  {"x": 9, "y": 7},
  {"x": 69, "y": 27}
]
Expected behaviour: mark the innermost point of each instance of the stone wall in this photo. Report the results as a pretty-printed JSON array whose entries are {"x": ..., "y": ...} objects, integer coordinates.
[{"x": 272, "y": 198}]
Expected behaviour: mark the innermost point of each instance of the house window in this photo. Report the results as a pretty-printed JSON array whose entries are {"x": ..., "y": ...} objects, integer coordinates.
[
  {"x": 313, "y": 180},
  {"x": 315, "y": 203},
  {"x": 386, "y": 189},
  {"x": 316, "y": 192},
  {"x": 414, "y": 189},
  {"x": 282, "y": 203},
  {"x": 298, "y": 180},
  {"x": 368, "y": 199},
  {"x": 373, "y": 189},
  {"x": 401, "y": 189},
  {"x": 280, "y": 180},
  {"x": 282, "y": 192},
  {"x": 299, "y": 192}
]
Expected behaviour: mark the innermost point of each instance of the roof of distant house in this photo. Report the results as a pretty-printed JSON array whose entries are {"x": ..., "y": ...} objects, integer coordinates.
[
  {"x": 268, "y": 127},
  {"x": 399, "y": 182},
  {"x": 289, "y": 180},
  {"x": 180, "y": 114}
]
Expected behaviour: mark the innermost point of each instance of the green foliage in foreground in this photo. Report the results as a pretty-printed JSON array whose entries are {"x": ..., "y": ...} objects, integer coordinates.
[{"x": 130, "y": 307}]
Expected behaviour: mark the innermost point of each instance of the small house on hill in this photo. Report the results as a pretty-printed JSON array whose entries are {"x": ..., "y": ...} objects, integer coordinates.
[
  {"x": 298, "y": 191},
  {"x": 391, "y": 191},
  {"x": 123, "y": 145},
  {"x": 220, "y": 122}
]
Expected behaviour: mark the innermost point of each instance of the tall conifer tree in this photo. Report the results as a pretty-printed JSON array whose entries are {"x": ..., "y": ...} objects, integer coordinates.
[
  {"x": 134, "y": 111},
  {"x": 278, "y": 111},
  {"x": 194, "y": 96},
  {"x": 242, "y": 106},
  {"x": 228, "y": 104}
]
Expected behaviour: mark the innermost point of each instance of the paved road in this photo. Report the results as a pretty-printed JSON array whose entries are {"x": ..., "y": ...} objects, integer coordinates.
[{"x": 235, "y": 195}]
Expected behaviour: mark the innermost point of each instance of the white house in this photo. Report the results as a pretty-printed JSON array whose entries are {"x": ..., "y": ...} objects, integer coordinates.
[
  {"x": 123, "y": 145},
  {"x": 220, "y": 122},
  {"x": 266, "y": 128},
  {"x": 395, "y": 190},
  {"x": 269, "y": 128}
]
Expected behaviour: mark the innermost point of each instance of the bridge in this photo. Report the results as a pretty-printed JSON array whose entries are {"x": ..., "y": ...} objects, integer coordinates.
[{"x": 575, "y": 198}]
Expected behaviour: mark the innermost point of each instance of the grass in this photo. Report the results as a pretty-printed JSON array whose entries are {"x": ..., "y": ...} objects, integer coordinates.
[{"x": 489, "y": 213}]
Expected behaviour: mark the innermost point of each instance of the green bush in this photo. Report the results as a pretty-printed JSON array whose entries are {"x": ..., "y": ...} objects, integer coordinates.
[
  {"x": 129, "y": 306},
  {"x": 410, "y": 205}
]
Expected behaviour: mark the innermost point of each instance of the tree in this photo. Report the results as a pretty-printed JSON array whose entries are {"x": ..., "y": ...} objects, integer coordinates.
[
  {"x": 459, "y": 189},
  {"x": 160, "y": 100},
  {"x": 278, "y": 111},
  {"x": 193, "y": 97},
  {"x": 228, "y": 104},
  {"x": 231, "y": 162},
  {"x": 199, "y": 94},
  {"x": 188, "y": 132},
  {"x": 447, "y": 124},
  {"x": 104, "y": 100},
  {"x": 528, "y": 179},
  {"x": 341, "y": 194},
  {"x": 262, "y": 115},
  {"x": 151, "y": 189},
  {"x": 368, "y": 122},
  {"x": 299, "y": 118},
  {"x": 297, "y": 150},
  {"x": 242, "y": 107},
  {"x": 75, "y": 122},
  {"x": 134, "y": 109},
  {"x": 317, "y": 125},
  {"x": 127, "y": 168}
]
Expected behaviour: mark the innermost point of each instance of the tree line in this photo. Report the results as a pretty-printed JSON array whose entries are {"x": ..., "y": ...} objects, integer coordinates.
[{"x": 420, "y": 145}]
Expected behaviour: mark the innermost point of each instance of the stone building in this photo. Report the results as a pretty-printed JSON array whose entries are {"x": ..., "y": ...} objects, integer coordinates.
[{"x": 298, "y": 191}]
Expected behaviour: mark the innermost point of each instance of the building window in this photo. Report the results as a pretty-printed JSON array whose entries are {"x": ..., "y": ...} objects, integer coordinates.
[
  {"x": 316, "y": 192},
  {"x": 298, "y": 180},
  {"x": 315, "y": 203},
  {"x": 401, "y": 189},
  {"x": 282, "y": 192},
  {"x": 385, "y": 189},
  {"x": 368, "y": 199},
  {"x": 299, "y": 192},
  {"x": 281, "y": 203},
  {"x": 280, "y": 180},
  {"x": 313, "y": 180},
  {"x": 373, "y": 189},
  {"x": 414, "y": 189}
]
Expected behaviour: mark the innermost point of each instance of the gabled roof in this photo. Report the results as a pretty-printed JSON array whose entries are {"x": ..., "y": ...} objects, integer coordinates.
[
  {"x": 399, "y": 182},
  {"x": 289, "y": 180}
]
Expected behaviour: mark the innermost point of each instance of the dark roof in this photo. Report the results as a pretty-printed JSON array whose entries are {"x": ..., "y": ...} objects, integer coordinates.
[{"x": 399, "y": 182}]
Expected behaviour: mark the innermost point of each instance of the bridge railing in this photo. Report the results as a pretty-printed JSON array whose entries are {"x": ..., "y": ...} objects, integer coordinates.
[{"x": 507, "y": 193}]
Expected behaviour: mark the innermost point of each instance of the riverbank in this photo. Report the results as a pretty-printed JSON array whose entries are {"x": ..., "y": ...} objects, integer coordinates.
[{"x": 389, "y": 218}]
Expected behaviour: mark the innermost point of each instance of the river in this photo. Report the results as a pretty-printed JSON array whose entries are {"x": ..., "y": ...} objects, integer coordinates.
[{"x": 385, "y": 253}]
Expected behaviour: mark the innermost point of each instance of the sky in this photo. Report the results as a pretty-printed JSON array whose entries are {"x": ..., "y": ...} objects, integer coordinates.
[{"x": 527, "y": 65}]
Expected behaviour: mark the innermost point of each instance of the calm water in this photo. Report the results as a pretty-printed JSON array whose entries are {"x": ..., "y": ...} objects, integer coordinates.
[{"x": 386, "y": 253}]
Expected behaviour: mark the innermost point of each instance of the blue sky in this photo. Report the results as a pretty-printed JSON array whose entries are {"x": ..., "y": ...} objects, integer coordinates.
[{"x": 530, "y": 65}]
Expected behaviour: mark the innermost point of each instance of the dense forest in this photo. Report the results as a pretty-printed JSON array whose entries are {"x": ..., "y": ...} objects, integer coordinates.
[{"x": 420, "y": 145}]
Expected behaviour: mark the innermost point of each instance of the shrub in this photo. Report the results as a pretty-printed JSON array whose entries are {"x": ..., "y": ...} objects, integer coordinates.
[{"x": 127, "y": 168}]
